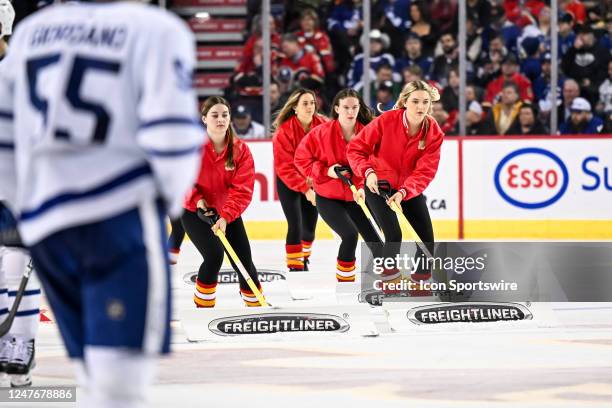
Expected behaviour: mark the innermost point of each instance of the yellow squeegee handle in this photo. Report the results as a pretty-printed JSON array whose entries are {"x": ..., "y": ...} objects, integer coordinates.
[{"x": 243, "y": 272}]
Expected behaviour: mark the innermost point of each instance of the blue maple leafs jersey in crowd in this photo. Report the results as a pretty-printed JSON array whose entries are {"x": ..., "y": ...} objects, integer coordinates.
[{"x": 97, "y": 113}]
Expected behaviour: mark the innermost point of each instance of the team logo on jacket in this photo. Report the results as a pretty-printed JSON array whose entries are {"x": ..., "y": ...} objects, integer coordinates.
[
  {"x": 469, "y": 313},
  {"x": 531, "y": 178},
  {"x": 267, "y": 323},
  {"x": 230, "y": 276}
]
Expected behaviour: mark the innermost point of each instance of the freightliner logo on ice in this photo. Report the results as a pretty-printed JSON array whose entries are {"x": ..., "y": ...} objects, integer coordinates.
[
  {"x": 276, "y": 323},
  {"x": 469, "y": 313},
  {"x": 229, "y": 276}
]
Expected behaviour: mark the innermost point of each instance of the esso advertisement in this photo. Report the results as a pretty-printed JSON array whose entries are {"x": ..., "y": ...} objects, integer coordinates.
[
  {"x": 442, "y": 194},
  {"x": 531, "y": 178},
  {"x": 537, "y": 179}
]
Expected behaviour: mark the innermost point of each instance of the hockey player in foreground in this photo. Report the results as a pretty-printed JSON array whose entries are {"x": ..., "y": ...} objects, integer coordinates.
[
  {"x": 16, "y": 346},
  {"x": 224, "y": 188},
  {"x": 100, "y": 115},
  {"x": 318, "y": 156},
  {"x": 401, "y": 146}
]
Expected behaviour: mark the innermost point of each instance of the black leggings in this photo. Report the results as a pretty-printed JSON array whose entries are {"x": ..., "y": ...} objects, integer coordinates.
[
  {"x": 176, "y": 235},
  {"x": 415, "y": 211},
  {"x": 211, "y": 249},
  {"x": 301, "y": 215},
  {"x": 348, "y": 220}
]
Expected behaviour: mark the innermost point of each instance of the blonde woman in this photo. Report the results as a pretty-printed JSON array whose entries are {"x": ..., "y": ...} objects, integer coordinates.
[
  {"x": 401, "y": 146},
  {"x": 297, "y": 118}
]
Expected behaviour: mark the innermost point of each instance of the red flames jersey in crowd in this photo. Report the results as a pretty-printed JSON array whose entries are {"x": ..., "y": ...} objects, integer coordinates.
[
  {"x": 229, "y": 191},
  {"x": 495, "y": 87},
  {"x": 305, "y": 64},
  {"x": 318, "y": 42},
  {"x": 385, "y": 147},
  {"x": 285, "y": 142},
  {"x": 323, "y": 147}
]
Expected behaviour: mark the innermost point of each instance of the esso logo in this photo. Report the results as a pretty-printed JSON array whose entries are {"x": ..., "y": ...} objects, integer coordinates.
[{"x": 531, "y": 178}]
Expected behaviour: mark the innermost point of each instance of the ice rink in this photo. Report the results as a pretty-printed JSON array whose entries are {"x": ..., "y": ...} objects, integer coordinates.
[{"x": 561, "y": 359}]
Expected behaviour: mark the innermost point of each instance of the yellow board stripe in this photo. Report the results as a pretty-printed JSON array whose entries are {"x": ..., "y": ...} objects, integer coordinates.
[
  {"x": 539, "y": 229},
  {"x": 473, "y": 229}
]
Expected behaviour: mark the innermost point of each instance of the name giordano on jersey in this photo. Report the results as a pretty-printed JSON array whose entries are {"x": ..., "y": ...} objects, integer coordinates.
[{"x": 80, "y": 33}]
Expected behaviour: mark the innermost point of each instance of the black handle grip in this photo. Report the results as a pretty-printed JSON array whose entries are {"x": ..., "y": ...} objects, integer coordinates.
[
  {"x": 384, "y": 187},
  {"x": 340, "y": 170},
  {"x": 209, "y": 216}
]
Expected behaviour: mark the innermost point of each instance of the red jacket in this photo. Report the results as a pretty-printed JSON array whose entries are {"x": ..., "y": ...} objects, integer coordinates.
[
  {"x": 323, "y": 147},
  {"x": 385, "y": 147},
  {"x": 228, "y": 191},
  {"x": 286, "y": 140},
  {"x": 318, "y": 42},
  {"x": 495, "y": 87}
]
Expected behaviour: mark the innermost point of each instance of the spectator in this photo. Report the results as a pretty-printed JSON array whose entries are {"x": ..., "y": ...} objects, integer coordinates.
[
  {"x": 304, "y": 66},
  {"x": 480, "y": 12},
  {"x": 587, "y": 62},
  {"x": 566, "y": 33},
  {"x": 420, "y": 18},
  {"x": 570, "y": 91},
  {"x": 541, "y": 85},
  {"x": 254, "y": 46},
  {"x": 384, "y": 73},
  {"x": 531, "y": 65},
  {"x": 411, "y": 73},
  {"x": 474, "y": 40},
  {"x": 523, "y": 13},
  {"x": 509, "y": 73},
  {"x": 414, "y": 73},
  {"x": 344, "y": 25},
  {"x": 473, "y": 93},
  {"x": 444, "y": 13},
  {"x": 246, "y": 128},
  {"x": 582, "y": 120},
  {"x": 527, "y": 123},
  {"x": 379, "y": 42},
  {"x": 413, "y": 56},
  {"x": 395, "y": 22},
  {"x": 505, "y": 112},
  {"x": 544, "y": 22},
  {"x": 447, "y": 61},
  {"x": 311, "y": 38},
  {"x": 450, "y": 94},
  {"x": 575, "y": 8},
  {"x": 384, "y": 97},
  {"x": 446, "y": 120},
  {"x": 509, "y": 31},
  {"x": 277, "y": 98},
  {"x": 605, "y": 93},
  {"x": 247, "y": 79},
  {"x": 473, "y": 118},
  {"x": 489, "y": 65}
]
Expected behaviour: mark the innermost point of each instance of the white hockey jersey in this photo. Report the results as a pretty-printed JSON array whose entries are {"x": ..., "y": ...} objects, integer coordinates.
[{"x": 97, "y": 113}]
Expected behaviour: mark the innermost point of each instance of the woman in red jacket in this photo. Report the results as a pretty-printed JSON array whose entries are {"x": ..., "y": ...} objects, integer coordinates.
[
  {"x": 401, "y": 146},
  {"x": 297, "y": 118},
  {"x": 324, "y": 149},
  {"x": 225, "y": 183}
]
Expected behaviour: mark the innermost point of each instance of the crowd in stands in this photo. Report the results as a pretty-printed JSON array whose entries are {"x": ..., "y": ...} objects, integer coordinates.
[{"x": 317, "y": 44}]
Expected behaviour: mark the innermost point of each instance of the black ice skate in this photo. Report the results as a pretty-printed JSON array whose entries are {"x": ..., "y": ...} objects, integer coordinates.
[{"x": 22, "y": 360}]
